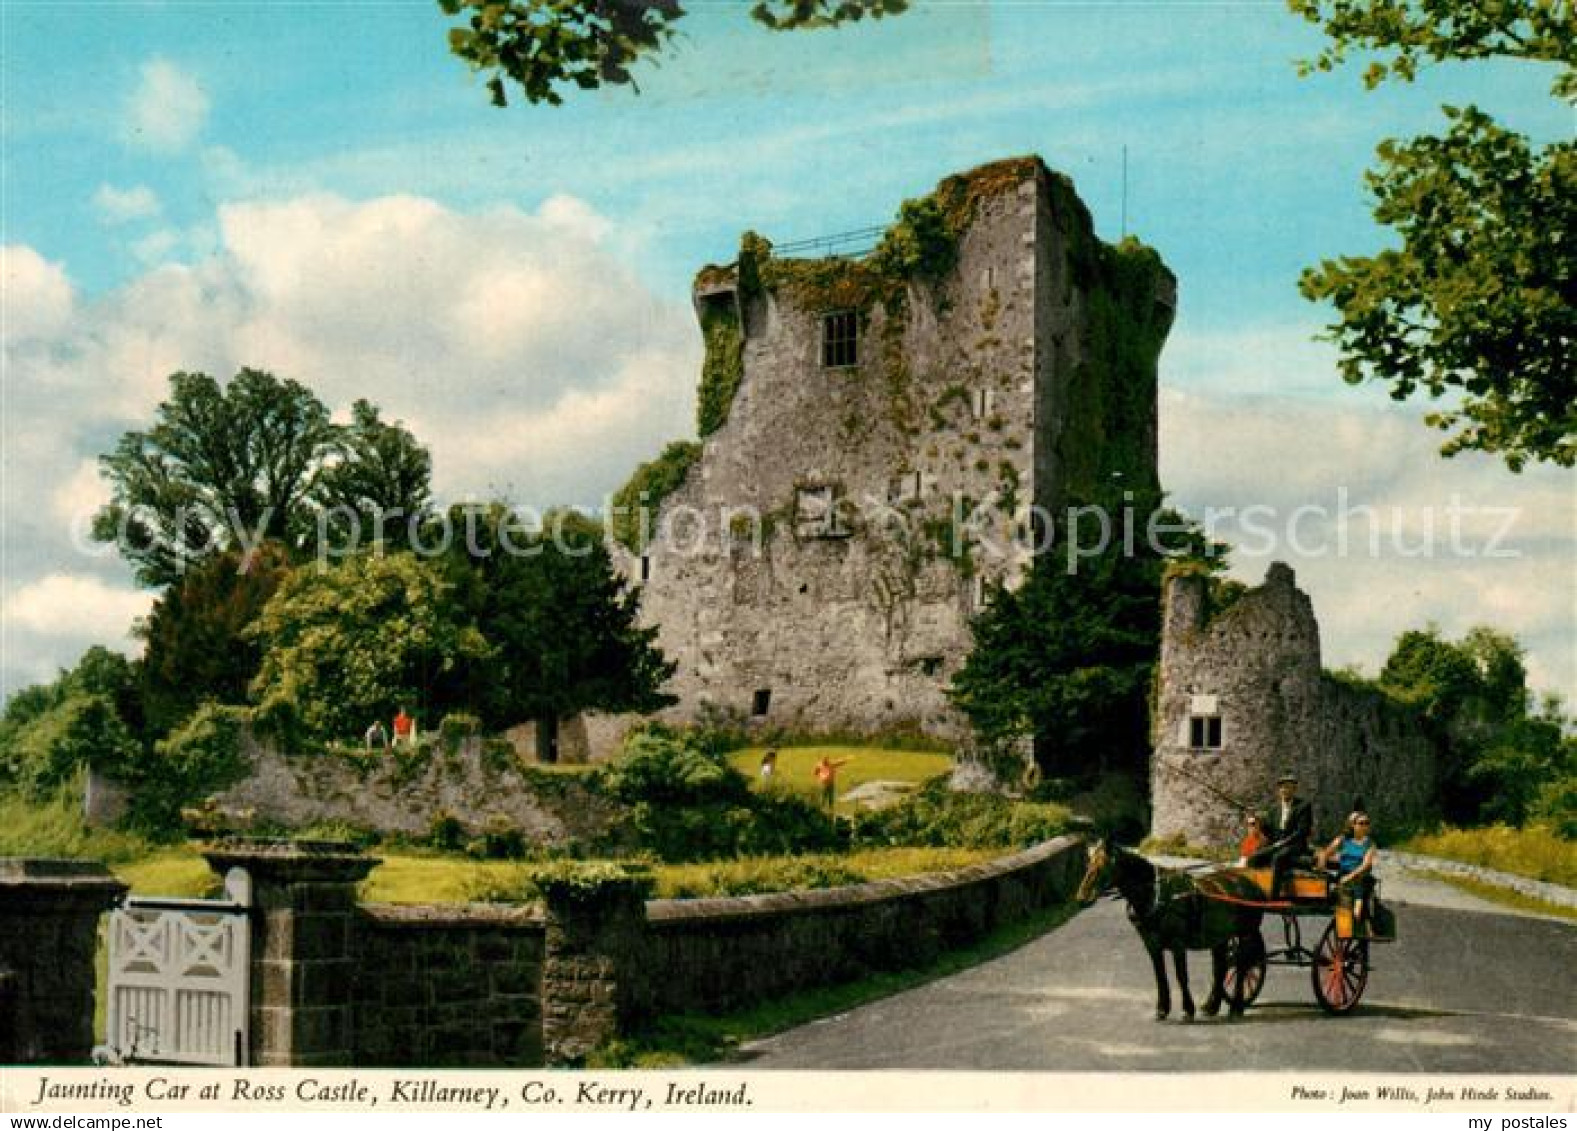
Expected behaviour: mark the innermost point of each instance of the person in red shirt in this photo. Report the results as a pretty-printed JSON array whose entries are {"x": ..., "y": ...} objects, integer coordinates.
[
  {"x": 404, "y": 728},
  {"x": 1253, "y": 841},
  {"x": 826, "y": 772}
]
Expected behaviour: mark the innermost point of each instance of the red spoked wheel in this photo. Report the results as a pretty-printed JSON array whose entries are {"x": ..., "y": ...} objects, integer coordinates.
[
  {"x": 1340, "y": 971},
  {"x": 1253, "y": 977}
]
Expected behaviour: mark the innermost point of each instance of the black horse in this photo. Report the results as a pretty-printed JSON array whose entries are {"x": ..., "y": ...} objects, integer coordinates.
[{"x": 1174, "y": 911}]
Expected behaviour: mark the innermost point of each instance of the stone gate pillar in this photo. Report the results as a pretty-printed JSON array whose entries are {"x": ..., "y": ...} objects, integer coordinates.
[
  {"x": 592, "y": 965},
  {"x": 49, "y": 922},
  {"x": 303, "y": 915}
]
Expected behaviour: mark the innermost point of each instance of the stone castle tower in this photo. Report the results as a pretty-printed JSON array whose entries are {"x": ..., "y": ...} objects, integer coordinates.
[
  {"x": 877, "y": 431},
  {"x": 1241, "y": 698}
]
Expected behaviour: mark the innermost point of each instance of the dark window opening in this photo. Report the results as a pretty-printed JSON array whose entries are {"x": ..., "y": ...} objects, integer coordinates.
[
  {"x": 816, "y": 514},
  {"x": 761, "y": 702},
  {"x": 1204, "y": 732},
  {"x": 547, "y": 740},
  {"x": 646, "y": 567},
  {"x": 840, "y": 334}
]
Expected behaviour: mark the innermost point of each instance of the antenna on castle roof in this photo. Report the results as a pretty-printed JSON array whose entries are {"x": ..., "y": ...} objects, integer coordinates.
[{"x": 1125, "y": 193}]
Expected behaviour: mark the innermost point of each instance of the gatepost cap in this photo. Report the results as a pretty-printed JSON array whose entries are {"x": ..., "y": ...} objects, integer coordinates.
[{"x": 1287, "y": 775}]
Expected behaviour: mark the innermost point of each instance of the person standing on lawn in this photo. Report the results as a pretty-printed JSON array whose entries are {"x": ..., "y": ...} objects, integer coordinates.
[{"x": 826, "y": 772}]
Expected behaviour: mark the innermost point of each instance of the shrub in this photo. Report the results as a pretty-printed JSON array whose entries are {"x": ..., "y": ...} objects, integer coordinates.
[
  {"x": 756, "y": 877},
  {"x": 1556, "y": 806},
  {"x": 572, "y": 879},
  {"x": 456, "y": 728},
  {"x": 445, "y": 831},
  {"x": 939, "y": 817},
  {"x": 662, "y": 766},
  {"x": 200, "y": 757},
  {"x": 687, "y": 803},
  {"x": 1538, "y": 853},
  {"x": 52, "y": 825},
  {"x": 50, "y": 748},
  {"x": 501, "y": 840}
]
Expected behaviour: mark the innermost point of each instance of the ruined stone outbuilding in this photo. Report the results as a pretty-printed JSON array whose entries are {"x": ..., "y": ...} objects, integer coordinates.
[
  {"x": 818, "y": 566},
  {"x": 1241, "y": 698}
]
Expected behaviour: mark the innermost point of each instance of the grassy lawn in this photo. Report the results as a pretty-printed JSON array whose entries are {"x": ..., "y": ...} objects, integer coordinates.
[
  {"x": 795, "y": 764},
  {"x": 1533, "y": 852},
  {"x": 1493, "y": 893}
]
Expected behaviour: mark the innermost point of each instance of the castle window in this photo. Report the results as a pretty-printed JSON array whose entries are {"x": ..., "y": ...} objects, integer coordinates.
[
  {"x": 982, "y": 402},
  {"x": 840, "y": 339},
  {"x": 816, "y": 514},
  {"x": 761, "y": 701},
  {"x": 1204, "y": 732},
  {"x": 905, "y": 488},
  {"x": 1204, "y": 723},
  {"x": 646, "y": 567},
  {"x": 979, "y": 593}
]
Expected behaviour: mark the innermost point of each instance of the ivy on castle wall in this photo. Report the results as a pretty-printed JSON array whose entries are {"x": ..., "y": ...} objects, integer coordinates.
[
  {"x": 723, "y": 367},
  {"x": 647, "y": 487}
]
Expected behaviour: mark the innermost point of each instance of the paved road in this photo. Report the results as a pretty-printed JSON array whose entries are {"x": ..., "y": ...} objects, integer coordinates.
[{"x": 1463, "y": 990}]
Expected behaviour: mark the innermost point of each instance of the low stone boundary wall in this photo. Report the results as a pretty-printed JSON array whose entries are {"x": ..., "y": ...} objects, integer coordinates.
[
  {"x": 451, "y": 985},
  {"x": 1550, "y": 893},
  {"x": 724, "y": 953},
  {"x": 336, "y": 982}
]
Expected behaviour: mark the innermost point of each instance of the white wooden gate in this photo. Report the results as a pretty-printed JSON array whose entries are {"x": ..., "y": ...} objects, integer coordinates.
[{"x": 179, "y": 978}]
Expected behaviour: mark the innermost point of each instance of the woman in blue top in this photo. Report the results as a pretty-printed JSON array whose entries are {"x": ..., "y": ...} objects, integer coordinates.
[{"x": 1355, "y": 853}]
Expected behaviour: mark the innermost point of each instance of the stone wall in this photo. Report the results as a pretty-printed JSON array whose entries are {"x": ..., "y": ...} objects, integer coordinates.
[
  {"x": 720, "y": 954},
  {"x": 588, "y": 737},
  {"x": 456, "y": 985},
  {"x": 398, "y": 791},
  {"x": 970, "y": 385},
  {"x": 335, "y": 983},
  {"x": 49, "y": 915},
  {"x": 1256, "y": 667}
]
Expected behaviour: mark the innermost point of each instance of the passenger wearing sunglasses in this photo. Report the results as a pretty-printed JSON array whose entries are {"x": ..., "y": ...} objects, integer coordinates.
[{"x": 1354, "y": 852}]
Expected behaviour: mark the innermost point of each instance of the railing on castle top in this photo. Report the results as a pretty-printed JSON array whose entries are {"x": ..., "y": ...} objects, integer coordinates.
[{"x": 841, "y": 245}]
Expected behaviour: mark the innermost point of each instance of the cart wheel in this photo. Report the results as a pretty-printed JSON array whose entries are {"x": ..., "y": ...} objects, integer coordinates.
[
  {"x": 1340, "y": 971},
  {"x": 1254, "y": 977}
]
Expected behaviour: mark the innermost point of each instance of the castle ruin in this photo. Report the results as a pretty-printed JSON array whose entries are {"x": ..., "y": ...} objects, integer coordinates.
[
  {"x": 1241, "y": 698},
  {"x": 875, "y": 433}
]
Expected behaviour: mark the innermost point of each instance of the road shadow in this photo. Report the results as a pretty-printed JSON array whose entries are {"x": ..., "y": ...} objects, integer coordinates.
[{"x": 1282, "y": 1013}]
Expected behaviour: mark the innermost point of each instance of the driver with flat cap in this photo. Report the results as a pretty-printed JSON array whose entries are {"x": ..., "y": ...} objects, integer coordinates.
[{"x": 1288, "y": 826}]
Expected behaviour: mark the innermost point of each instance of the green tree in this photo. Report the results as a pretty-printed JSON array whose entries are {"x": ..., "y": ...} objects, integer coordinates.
[
  {"x": 1479, "y": 303},
  {"x": 198, "y": 649},
  {"x": 89, "y": 714},
  {"x": 563, "y": 627},
  {"x": 347, "y": 644},
  {"x": 254, "y": 460},
  {"x": 220, "y": 467},
  {"x": 637, "y": 502},
  {"x": 379, "y": 483},
  {"x": 545, "y": 46},
  {"x": 1497, "y": 752},
  {"x": 1066, "y": 659}
]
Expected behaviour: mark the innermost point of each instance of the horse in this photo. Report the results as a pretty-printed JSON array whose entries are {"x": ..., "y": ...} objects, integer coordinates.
[{"x": 1172, "y": 911}]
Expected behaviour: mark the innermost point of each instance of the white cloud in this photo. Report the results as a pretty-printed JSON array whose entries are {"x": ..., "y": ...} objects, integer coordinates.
[
  {"x": 156, "y": 246},
  {"x": 74, "y": 606},
  {"x": 123, "y": 206},
  {"x": 35, "y": 295},
  {"x": 1384, "y": 534},
  {"x": 80, "y": 494},
  {"x": 167, "y": 110},
  {"x": 521, "y": 350}
]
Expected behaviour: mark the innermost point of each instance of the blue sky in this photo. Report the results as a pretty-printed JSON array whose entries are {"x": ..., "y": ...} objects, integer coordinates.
[{"x": 320, "y": 189}]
